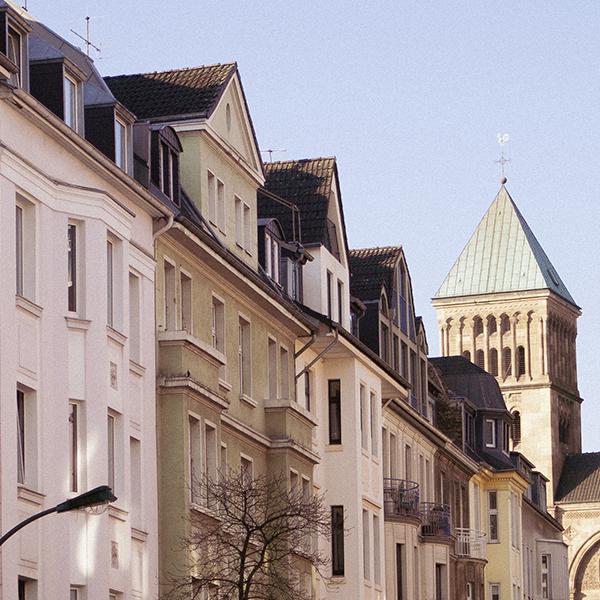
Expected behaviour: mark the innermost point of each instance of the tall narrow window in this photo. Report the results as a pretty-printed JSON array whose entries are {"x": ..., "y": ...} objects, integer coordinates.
[
  {"x": 134, "y": 318},
  {"x": 218, "y": 325},
  {"x": 395, "y": 353},
  {"x": 195, "y": 458},
  {"x": 135, "y": 473},
  {"x": 120, "y": 144},
  {"x": 329, "y": 295},
  {"x": 490, "y": 433},
  {"x": 366, "y": 543},
  {"x": 374, "y": 424},
  {"x": 364, "y": 418},
  {"x": 19, "y": 249},
  {"x": 340, "y": 299},
  {"x": 335, "y": 412},
  {"x": 467, "y": 354},
  {"x": 167, "y": 170},
  {"x": 307, "y": 390},
  {"x": 272, "y": 366},
  {"x": 493, "y": 516},
  {"x": 546, "y": 576},
  {"x": 247, "y": 469},
  {"x": 21, "y": 448},
  {"x": 70, "y": 101},
  {"x": 404, "y": 359},
  {"x": 244, "y": 357},
  {"x": 170, "y": 299},
  {"x": 337, "y": 541},
  {"x": 479, "y": 359},
  {"x": 239, "y": 222},
  {"x": 400, "y": 571},
  {"x": 494, "y": 591},
  {"x": 408, "y": 462},
  {"x": 14, "y": 53},
  {"x": 506, "y": 362},
  {"x": 110, "y": 284},
  {"x": 284, "y": 373},
  {"x": 376, "y": 551},
  {"x": 111, "y": 440},
  {"x": 248, "y": 237},
  {"x": 516, "y": 427},
  {"x": 384, "y": 351},
  {"x": 221, "y": 205},
  {"x": 74, "y": 447},
  {"x": 494, "y": 362},
  {"x": 186, "y": 302},
  {"x": 212, "y": 198},
  {"x": 72, "y": 267},
  {"x": 520, "y": 361},
  {"x": 210, "y": 452}
]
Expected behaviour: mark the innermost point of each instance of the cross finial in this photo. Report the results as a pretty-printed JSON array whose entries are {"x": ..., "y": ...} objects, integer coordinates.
[{"x": 502, "y": 139}]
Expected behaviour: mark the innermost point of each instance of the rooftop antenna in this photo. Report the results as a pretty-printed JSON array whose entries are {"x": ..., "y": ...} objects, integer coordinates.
[
  {"x": 502, "y": 140},
  {"x": 86, "y": 39},
  {"x": 270, "y": 152}
]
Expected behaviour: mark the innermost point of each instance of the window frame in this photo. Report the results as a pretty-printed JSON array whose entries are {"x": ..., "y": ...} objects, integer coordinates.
[
  {"x": 490, "y": 441},
  {"x": 334, "y": 403},
  {"x": 121, "y": 151},
  {"x": 337, "y": 541},
  {"x": 70, "y": 84},
  {"x": 493, "y": 516}
]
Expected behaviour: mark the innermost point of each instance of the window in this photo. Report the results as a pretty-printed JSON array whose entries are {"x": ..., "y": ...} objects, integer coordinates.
[
  {"x": 440, "y": 582},
  {"x": 506, "y": 362},
  {"x": 218, "y": 325},
  {"x": 505, "y": 436},
  {"x": 340, "y": 299},
  {"x": 25, "y": 248},
  {"x": 166, "y": 160},
  {"x": 520, "y": 361},
  {"x": 546, "y": 576},
  {"x": 516, "y": 427},
  {"x": 494, "y": 591},
  {"x": 272, "y": 366},
  {"x": 70, "y": 101},
  {"x": 246, "y": 468},
  {"x": 335, "y": 413},
  {"x": 26, "y": 437},
  {"x": 72, "y": 267},
  {"x": 135, "y": 474},
  {"x": 169, "y": 296},
  {"x": 220, "y": 205},
  {"x": 374, "y": 424},
  {"x": 185, "y": 284},
  {"x": 404, "y": 359},
  {"x": 239, "y": 223},
  {"x": 284, "y": 373},
  {"x": 408, "y": 462},
  {"x": 134, "y": 318},
  {"x": 248, "y": 232},
  {"x": 27, "y": 588},
  {"x": 384, "y": 342},
  {"x": 307, "y": 390},
  {"x": 337, "y": 541},
  {"x": 195, "y": 458},
  {"x": 490, "y": 433},
  {"x": 376, "y": 551},
  {"x": 395, "y": 351},
  {"x": 111, "y": 447},
  {"x": 470, "y": 591},
  {"x": 210, "y": 452},
  {"x": 364, "y": 417},
  {"x": 493, "y": 516},
  {"x": 19, "y": 249},
  {"x": 515, "y": 521},
  {"x": 21, "y": 446},
  {"x": 223, "y": 458},
  {"x": 73, "y": 447},
  {"x": 329, "y": 294},
  {"x": 493, "y": 362},
  {"x": 120, "y": 144},
  {"x": 492, "y": 325},
  {"x": 73, "y": 594},
  {"x": 110, "y": 284},
  {"x": 212, "y": 198},
  {"x": 479, "y": 359},
  {"x": 400, "y": 571},
  {"x": 467, "y": 355},
  {"x": 14, "y": 53},
  {"x": 244, "y": 357},
  {"x": 366, "y": 541}
]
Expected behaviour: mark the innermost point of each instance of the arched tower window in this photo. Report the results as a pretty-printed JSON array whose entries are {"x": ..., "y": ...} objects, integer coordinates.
[
  {"x": 504, "y": 324},
  {"x": 477, "y": 326},
  {"x": 516, "y": 427},
  {"x": 467, "y": 354},
  {"x": 492, "y": 325},
  {"x": 506, "y": 361},
  {"x": 494, "y": 362},
  {"x": 479, "y": 359},
  {"x": 520, "y": 361}
]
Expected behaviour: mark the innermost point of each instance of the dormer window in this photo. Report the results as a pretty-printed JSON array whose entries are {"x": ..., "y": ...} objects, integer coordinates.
[
  {"x": 490, "y": 433},
  {"x": 166, "y": 161},
  {"x": 165, "y": 149},
  {"x": 272, "y": 260},
  {"x": 121, "y": 144},
  {"x": 14, "y": 53},
  {"x": 70, "y": 101}
]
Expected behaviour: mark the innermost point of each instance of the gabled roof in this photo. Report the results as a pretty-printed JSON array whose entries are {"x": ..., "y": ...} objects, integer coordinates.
[
  {"x": 192, "y": 91},
  {"x": 307, "y": 183},
  {"x": 503, "y": 255},
  {"x": 371, "y": 269},
  {"x": 466, "y": 379},
  {"x": 580, "y": 478}
]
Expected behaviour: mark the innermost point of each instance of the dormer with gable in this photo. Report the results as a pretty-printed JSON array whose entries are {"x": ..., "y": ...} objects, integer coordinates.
[
  {"x": 220, "y": 166},
  {"x": 14, "y": 54},
  {"x": 312, "y": 185},
  {"x": 381, "y": 280}
]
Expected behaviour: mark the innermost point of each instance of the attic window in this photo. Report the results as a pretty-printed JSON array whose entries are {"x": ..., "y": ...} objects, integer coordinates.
[
  {"x": 228, "y": 117},
  {"x": 166, "y": 162},
  {"x": 70, "y": 101},
  {"x": 120, "y": 144},
  {"x": 14, "y": 53}
]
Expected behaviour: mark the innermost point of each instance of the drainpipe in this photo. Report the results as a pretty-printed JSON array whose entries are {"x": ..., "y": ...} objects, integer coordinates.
[
  {"x": 164, "y": 229},
  {"x": 313, "y": 339},
  {"x": 320, "y": 355}
]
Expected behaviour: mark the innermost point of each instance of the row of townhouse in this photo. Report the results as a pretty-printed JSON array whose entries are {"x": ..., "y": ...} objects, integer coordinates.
[{"x": 182, "y": 310}]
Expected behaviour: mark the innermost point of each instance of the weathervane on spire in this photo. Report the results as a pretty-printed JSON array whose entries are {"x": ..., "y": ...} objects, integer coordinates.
[{"x": 502, "y": 139}]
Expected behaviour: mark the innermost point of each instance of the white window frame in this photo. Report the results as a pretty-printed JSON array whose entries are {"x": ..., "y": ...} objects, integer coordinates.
[
  {"x": 284, "y": 372},
  {"x": 195, "y": 458},
  {"x": 170, "y": 307},
  {"x": 374, "y": 418},
  {"x": 75, "y": 437},
  {"x": 121, "y": 133},
  {"x": 365, "y": 427},
  {"x": 272, "y": 366},
  {"x": 249, "y": 461},
  {"x": 112, "y": 450},
  {"x": 491, "y": 444},
  {"x": 245, "y": 357},
  {"x": 494, "y": 591},
  {"x": 72, "y": 119},
  {"x": 28, "y": 444},
  {"x": 491, "y": 513},
  {"x": 546, "y": 576},
  {"x": 186, "y": 300}
]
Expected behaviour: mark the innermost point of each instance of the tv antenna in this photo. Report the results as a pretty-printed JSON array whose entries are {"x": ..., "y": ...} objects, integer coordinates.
[
  {"x": 502, "y": 140},
  {"x": 271, "y": 150},
  {"x": 86, "y": 39}
]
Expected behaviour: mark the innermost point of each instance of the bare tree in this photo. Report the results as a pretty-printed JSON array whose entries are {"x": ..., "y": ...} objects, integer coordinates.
[{"x": 256, "y": 540}]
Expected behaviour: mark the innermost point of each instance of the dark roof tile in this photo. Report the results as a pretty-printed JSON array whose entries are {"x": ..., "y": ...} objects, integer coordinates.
[
  {"x": 580, "y": 478},
  {"x": 371, "y": 269},
  {"x": 195, "y": 90}
]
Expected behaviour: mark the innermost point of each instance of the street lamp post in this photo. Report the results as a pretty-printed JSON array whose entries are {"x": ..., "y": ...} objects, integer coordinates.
[{"x": 99, "y": 495}]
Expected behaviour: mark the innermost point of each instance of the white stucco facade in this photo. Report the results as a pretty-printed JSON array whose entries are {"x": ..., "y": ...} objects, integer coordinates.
[{"x": 78, "y": 383}]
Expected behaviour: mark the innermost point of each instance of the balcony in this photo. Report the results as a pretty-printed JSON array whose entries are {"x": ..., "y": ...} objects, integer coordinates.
[
  {"x": 400, "y": 498},
  {"x": 435, "y": 520},
  {"x": 470, "y": 543}
]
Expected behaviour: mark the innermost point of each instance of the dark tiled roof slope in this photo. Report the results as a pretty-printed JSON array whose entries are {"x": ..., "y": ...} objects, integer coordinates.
[
  {"x": 306, "y": 183},
  {"x": 195, "y": 90},
  {"x": 580, "y": 478},
  {"x": 370, "y": 269},
  {"x": 466, "y": 379}
]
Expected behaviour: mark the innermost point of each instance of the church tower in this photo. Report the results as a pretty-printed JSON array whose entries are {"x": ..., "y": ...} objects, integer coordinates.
[{"x": 504, "y": 307}]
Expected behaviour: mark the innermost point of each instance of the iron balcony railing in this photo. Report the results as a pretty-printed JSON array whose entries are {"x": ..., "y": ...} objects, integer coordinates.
[
  {"x": 400, "y": 498},
  {"x": 470, "y": 543},
  {"x": 435, "y": 519}
]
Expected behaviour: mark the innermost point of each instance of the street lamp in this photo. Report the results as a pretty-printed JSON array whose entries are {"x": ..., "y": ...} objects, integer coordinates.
[{"x": 99, "y": 495}]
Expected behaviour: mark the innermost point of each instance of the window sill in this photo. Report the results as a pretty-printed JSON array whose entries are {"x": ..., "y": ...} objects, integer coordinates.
[
  {"x": 115, "y": 336},
  {"x": 75, "y": 322},
  {"x": 334, "y": 448},
  {"x": 173, "y": 337},
  {"x": 135, "y": 367},
  {"x": 30, "y": 495},
  {"x": 29, "y": 306},
  {"x": 245, "y": 398},
  {"x": 225, "y": 385}
]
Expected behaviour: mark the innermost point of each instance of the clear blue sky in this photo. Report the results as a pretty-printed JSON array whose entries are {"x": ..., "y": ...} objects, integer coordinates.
[{"x": 409, "y": 96}]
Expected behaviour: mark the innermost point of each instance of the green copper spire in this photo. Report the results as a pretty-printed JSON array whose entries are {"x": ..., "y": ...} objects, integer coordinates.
[{"x": 502, "y": 255}]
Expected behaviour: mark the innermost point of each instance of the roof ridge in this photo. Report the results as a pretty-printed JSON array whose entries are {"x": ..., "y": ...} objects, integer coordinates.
[
  {"x": 180, "y": 70},
  {"x": 297, "y": 160},
  {"x": 375, "y": 248}
]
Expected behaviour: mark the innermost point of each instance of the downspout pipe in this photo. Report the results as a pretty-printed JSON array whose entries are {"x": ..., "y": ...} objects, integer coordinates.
[
  {"x": 164, "y": 229},
  {"x": 320, "y": 355}
]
